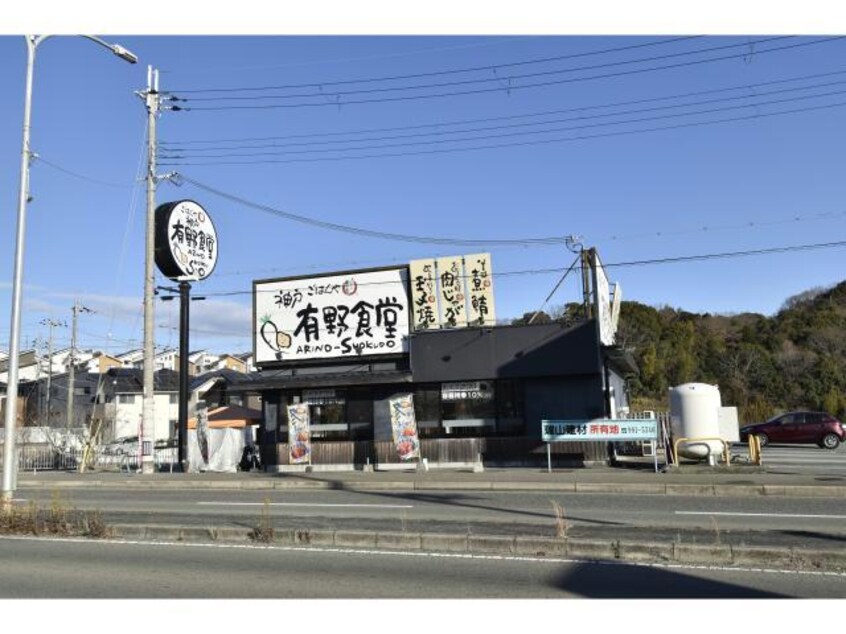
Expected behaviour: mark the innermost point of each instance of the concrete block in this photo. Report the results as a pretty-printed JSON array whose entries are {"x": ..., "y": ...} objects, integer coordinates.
[
  {"x": 490, "y": 544},
  {"x": 620, "y": 487},
  {"x": 469, "y": 485},
  {"x": 196, "y": 534},
  {"x": 164, "y": 533},
  {"x": 762, "y": 556},
  {"x": 738, "y": 490},
  {"x": 398, "y": 541},
  {"x": 688, "y": 489},
  {"x": 284, "y": 536},
  {"x": 540, "y": 546},
  {"x": 702, "y": 553},
  {"x": 814, "y": 491},
  {"x": 128, "y": 531},
  {"x": 441, "y": 542},
  {"x": 553, "y": 487},
  {"x": 645, "y": 551},
  {"x": 307, "y": 537},
  {"x": 232, "y": 534},
  {"x": 591, "y": 549},
  {"x": 355, "y": 539}
]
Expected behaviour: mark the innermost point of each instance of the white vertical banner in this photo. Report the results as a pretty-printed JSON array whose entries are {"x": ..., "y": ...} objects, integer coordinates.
[
  {"x": 404, "y": 427},
  {"x": 451, "y": 298},
  {"x": 480, "y": 297},
  {"x": 602, "y": 302},
  {"x": 299, "y": 434},
  {"x": 424, "y": 294}
]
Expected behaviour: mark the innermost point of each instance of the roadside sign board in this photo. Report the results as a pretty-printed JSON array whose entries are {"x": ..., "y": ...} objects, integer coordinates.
[{"x": 599, "y": 429}]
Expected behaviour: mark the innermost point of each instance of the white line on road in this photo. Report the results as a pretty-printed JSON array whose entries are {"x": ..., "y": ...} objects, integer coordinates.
[
  {"x": 371, "y": 506},
  {"x": 827, "y": 517}
]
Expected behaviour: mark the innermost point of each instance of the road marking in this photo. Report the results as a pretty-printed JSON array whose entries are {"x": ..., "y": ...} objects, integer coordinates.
[
  {"x": 827, "y": 517},
  {"x": 370, "y": 506}
]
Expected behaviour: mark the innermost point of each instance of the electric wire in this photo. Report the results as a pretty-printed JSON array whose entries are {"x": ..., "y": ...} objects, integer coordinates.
[
  {"x": 491, "y": 67},
  {"x": 507, "y": 89},
  {"x": 581, "y": 137},
  {"x": 581, "y": 126},
  {"x": 168, "y": 152},
  {"x": 747, "y": 86}
]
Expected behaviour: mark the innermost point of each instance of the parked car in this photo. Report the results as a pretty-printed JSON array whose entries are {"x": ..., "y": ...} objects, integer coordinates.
[{"x": 798, "y": 427}]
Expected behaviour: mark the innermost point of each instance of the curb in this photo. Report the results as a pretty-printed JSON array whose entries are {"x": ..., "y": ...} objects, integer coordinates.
[
  {"x": 805, "y": 559},
  {"x": 635, "y": 488}
]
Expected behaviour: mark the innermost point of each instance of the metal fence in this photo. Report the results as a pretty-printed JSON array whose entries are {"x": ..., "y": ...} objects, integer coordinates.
[{"x": 41, "y": 457}]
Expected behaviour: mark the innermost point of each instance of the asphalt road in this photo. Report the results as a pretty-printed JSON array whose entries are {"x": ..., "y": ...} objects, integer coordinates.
[
  {"x": 73, "y": 569},
  {"x": 771, "y": 519}
]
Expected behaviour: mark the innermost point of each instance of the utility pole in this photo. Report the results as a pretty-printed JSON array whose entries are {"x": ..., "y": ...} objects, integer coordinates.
[
  {"x": 52, "y": 323},
  {"x": 72, "y": 361},
  {"x": 148, "y": 433}
]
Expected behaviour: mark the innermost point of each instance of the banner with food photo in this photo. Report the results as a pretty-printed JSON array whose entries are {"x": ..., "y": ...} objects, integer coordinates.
[
  {"x": 299, "y": 436},
  {"x": 404, "y": 427}
]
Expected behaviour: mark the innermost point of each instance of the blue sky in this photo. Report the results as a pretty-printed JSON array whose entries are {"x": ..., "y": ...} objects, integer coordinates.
[{"x": 689, "y": 188}]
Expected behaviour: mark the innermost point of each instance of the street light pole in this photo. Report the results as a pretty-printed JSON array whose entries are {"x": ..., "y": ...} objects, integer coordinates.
[
  {"x": 148, "y": 424},
  {"x": 32, "y": 42}
]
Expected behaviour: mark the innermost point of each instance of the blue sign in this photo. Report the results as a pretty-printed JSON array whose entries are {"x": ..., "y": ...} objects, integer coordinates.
[{"x": 599, "y": 429}]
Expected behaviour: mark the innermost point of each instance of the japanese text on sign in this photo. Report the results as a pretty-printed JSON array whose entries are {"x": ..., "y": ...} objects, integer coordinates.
[
  {"x": 601, "y": 429},
  {"x": 345, "y": 315}
]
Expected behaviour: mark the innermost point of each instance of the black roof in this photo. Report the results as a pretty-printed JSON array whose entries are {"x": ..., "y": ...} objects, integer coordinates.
[{"x": 131, "y": 380}]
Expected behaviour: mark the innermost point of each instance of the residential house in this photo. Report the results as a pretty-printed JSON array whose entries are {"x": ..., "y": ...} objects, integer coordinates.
[{"x": 120, "y": 403}]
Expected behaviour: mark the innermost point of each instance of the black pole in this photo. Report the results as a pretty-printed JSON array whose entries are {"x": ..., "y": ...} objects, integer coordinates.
[{"x": 184, "y": 301}]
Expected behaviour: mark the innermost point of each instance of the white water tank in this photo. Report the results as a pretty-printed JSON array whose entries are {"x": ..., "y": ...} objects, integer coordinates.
[{"x": 695, "y": 413}]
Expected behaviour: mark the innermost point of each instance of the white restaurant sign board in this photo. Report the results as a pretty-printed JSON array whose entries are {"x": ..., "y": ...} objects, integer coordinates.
[
  {"x": 353, "y": 314},
  {"x": 452, "y": 292}
]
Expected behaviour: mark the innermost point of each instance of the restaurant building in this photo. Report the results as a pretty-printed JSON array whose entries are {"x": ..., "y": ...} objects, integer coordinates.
[{"x": 347, "y": 345}]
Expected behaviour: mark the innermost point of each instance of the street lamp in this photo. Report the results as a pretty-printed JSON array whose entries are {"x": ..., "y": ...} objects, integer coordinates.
[{"x": 32, "y": 42}]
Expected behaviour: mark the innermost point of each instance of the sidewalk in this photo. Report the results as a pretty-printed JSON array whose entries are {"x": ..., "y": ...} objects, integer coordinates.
[{"x": 635, "y": 478}]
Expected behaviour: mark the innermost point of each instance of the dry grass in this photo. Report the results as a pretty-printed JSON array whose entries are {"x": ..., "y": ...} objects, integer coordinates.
[
  {"x": 57, "y": 519},
  {"x": 264, "y": 531},
  {"x": 562, "y": 526}
]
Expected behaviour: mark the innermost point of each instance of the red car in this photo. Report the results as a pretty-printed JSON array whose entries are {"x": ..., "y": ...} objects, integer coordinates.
[{"x": 798, "y": 427}]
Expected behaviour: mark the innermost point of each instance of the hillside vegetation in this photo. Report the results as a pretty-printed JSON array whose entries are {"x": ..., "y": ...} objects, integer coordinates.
[{"x": 763, "y": 365}]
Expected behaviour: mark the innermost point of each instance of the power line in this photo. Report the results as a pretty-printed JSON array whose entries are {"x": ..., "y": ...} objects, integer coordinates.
[
  {"x": 580, "y": 137},
  {"x": 550, "y": 240},
  {"x": 698, "y": 93},
  {"x": 559, "y": 270},
  {"x": 581, "y": 126},
  {"x": 506, "y": 89},
  {"x": 488, "y": 67}
]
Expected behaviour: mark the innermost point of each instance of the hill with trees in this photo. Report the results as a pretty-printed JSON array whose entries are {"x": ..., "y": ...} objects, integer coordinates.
[{"x": 763, "y": 365}]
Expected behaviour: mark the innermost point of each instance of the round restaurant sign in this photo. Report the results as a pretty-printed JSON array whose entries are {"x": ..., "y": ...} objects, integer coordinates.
[{"x": 186, "y": 241}]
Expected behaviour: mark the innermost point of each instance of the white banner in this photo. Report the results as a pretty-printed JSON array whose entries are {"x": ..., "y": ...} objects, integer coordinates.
[
  {"x": 424, "y": 294},
  {"x": 299, "y": 434},
  {"x": 404, "y": 427},
  {"x": 451, "y": 292},
  {"x": 480, "y": 298},
  {"x": 335, "y": 316}
]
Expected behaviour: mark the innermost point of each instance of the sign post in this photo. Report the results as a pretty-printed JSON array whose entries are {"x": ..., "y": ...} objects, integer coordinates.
[
  {"x": 599, "y": 430},
  {"x": 186, "y": 250}
]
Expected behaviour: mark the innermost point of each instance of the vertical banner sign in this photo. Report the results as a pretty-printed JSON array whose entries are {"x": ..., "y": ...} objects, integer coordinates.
[
  {"x": 404, "y": 427},
  {"x": 602, "y": 302},
  {"x": 203, "y": 431},
  {"x": 451, "y": 296},
  {"x": 424, "y": 300},
  {"x": 480, "y": 301},
  {"x": 299, "y": 435}
]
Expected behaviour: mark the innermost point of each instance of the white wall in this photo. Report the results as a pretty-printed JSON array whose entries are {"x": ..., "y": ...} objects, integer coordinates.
[{"x": 128, "y": 416}]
